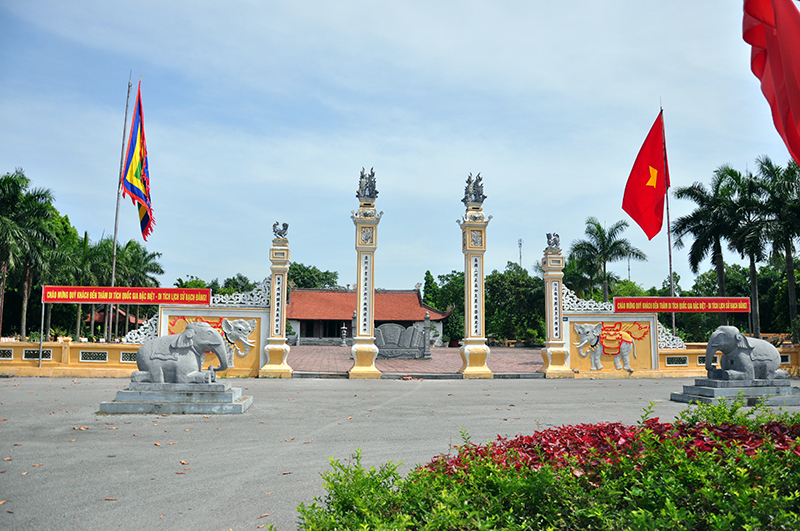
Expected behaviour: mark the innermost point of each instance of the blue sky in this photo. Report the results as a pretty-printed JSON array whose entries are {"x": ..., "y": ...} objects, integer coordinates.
[{"x": 257, "y": 112}]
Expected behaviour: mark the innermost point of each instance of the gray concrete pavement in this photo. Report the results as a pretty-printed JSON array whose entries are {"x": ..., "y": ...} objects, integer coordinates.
[{"x": 71, "y": 468}]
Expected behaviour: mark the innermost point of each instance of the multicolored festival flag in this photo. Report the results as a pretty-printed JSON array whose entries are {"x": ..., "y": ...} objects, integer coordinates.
[
  {"x": 136, "y": 176},
  {"x": 648, "y": 183},
  {"x": 772, "y": 28}
]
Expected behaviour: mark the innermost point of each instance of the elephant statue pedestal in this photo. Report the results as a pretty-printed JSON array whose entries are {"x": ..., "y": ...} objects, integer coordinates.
[
  {"x": 178, "y": 398},
  {"x": 171, "y": 379},
  {"x": 772, "y": 392},
  {"x": 748, "y": 366}
]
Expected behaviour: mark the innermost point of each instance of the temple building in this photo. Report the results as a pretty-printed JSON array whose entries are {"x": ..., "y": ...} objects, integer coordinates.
[{"x": 318, "y": 315}]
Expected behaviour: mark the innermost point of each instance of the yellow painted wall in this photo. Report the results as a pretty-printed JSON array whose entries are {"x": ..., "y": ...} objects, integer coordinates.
[
  {"x": 243, "y": 366},
  {"x": 642, "y": 346}
]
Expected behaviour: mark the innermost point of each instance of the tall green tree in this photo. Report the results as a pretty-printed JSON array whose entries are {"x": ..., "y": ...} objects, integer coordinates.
[
  {"x": 582, "y": 278},
  {"x": 782, "y": 202},
  {"x": 602, "y": 246},
  {"x": 24, "y": 226},
  {"x": 709, "y": 224},
  {"x": 451, "y": 299},
  {"x": 514, "y": 303},
  {"x": 430, "y": 291},
  {"x": 84, "y": 257},
  {"x": 749, "y": 230},
  {"x": 139, "y": 269}
]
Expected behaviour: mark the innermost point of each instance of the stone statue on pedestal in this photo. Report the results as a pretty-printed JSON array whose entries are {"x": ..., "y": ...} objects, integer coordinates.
[{"x": 280, "y": 232}]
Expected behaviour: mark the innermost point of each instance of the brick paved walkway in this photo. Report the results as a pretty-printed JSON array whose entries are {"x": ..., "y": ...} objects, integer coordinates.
[{"x": 310, "y": 359}]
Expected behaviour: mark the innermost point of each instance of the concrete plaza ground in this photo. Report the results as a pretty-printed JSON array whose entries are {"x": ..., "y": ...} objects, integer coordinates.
[
  {"x": 328, "y": 361},
  {"x": 66, "y": 467}
]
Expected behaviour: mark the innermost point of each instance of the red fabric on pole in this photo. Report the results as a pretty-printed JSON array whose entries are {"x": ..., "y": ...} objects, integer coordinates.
[
  {"x": 648, "y": 182},
  {"x": 772, "y": 28}
]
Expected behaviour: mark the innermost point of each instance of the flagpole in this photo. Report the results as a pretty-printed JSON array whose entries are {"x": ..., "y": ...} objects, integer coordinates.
[
  {"x": 669, "y": 230},
  {"x": 119, "y": 194}
]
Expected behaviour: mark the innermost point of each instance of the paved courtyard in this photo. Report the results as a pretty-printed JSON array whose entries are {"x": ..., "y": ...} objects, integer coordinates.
[
  {"x": 66, "y": 467},
  {"x": 328, "y": 360}
]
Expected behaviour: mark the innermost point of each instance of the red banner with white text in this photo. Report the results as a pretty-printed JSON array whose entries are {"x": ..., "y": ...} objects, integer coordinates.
[
  {"x": 681, "y": 304},
  {"x": 122, "y": 295}
]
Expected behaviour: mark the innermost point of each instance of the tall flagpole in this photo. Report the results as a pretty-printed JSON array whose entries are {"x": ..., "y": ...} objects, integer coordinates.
[
  {"x": 119, "y": 194},
  {"x": 669, "y": 230}
]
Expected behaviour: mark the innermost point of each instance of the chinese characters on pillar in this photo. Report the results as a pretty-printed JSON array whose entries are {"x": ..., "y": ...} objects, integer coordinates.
[
  {"x": 476, "y": 296},
  {"x": 365, "y": 293},
  {"x": 276, "y": 327},
  {"x": 556, "y": 309}
]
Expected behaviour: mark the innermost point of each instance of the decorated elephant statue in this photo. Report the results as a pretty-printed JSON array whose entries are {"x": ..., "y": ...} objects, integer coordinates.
[
  {"x": 238, "y": 330},
  {"x": 600, "y": 339},
  {"x": 179, "y": 358},
  {"x": 743, "y": 358}
]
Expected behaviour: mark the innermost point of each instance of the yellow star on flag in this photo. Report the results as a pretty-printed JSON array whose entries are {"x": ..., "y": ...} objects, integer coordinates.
[{"x": 653, "y": 177}]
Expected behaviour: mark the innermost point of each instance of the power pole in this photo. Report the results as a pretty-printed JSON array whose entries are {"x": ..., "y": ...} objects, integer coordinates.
[{"x": 519, "y": 242}]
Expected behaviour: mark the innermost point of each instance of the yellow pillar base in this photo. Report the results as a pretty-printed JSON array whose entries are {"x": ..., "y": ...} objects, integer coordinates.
[
  {"x": 473, "y": 355},
  {"x": 364, "y": 353},
  {"x": 276, "y": 367},
  {"x": 556, "y": 361}
]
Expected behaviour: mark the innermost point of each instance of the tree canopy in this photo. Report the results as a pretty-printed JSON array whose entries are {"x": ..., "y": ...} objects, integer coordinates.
[
  {"x": 311, "y": 277},
  {"x": 602, "y": 246}
]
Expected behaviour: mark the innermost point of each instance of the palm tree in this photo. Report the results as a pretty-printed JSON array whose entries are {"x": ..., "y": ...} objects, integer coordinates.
[
  {"x": 38, "y": 259},
  {"x": 749, "y": 229},
  {"x": 82, "y": 259},
  {"x": 23, "y": 224},
  {"x": 708, "y": 224},
  {"x": 783, "y": 209},
  {"x": 101, "y": 268},
  {"x": 603, "y": 246},
  {"x": 139, "y": 268}
]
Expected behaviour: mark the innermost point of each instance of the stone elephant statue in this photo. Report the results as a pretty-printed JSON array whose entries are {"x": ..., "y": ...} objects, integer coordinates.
[
  {"x": 743, "y": 358},
  {"x": 238, "y": 330},
  {"x": 179, "y": 358},
  {"x": 592, "y": 335}
]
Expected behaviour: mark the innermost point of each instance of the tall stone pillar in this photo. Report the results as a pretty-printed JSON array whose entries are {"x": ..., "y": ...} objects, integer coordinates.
[
  {"x": 276, "y": 349},
  {"x": 474, "y": 351},
  {"x": 555, "y": 353},
  {"x": 366, "y": 220}
]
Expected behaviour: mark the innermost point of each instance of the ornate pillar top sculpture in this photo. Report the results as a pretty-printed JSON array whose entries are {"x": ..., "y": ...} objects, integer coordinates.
[
  {"x": 473, "y": 200},
  {"x": 279, "y": 231},
  {"x": 473, "y": 192},
  {"x": 367, "y": 193},
  {"x": 553, "y": 243}
]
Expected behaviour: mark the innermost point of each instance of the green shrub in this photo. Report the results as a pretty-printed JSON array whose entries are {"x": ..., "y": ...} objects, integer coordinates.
[{"x": 718, "y": 467}]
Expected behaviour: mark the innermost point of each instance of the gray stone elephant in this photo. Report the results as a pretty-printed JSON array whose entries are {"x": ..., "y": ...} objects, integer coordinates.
[
  {"x": 591, "y": 335},
  {"x": 179, "y": 358},
  {"x": 743, "y": 358}
]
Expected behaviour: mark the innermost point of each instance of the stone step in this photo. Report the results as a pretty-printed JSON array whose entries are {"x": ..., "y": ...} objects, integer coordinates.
[
  {"x": 176, "y": 408},
  {"x": 227, "y": 397},
  {"x": 215, "y": 387},
  {"x": 783, "y": 400},
  {"x": 705, "y": 382},
  {"x": 734, "y": 391}
]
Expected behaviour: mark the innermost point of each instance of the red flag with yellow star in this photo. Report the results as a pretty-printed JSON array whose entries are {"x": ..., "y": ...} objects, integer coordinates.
[{"x": 648, "y": 182}]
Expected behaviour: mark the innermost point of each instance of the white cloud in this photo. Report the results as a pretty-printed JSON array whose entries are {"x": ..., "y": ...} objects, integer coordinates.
[{"x": 257, "y": 112}]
